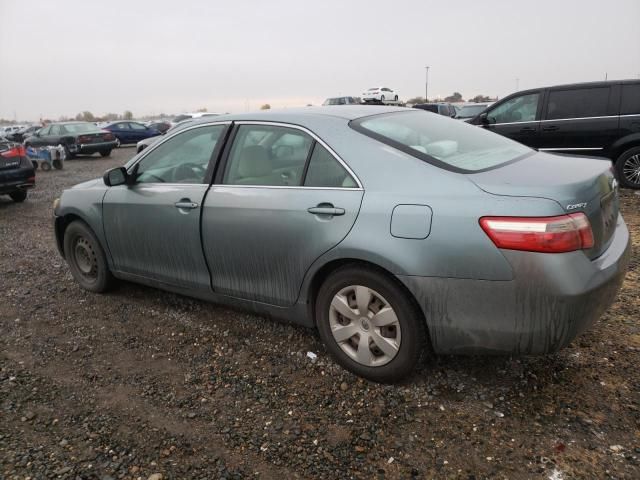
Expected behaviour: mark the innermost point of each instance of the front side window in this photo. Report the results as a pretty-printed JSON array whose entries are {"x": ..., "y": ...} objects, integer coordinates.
[
  {"x": 183, "y": 158},
  {"x": 137, "y": 126},
  {"x": 578, "y": 103},
  {"x": 44, "y": 131},
  {"x": 267, "y": 155},
  {"x": 56, "y": 130},
  {"x": 518, "y": 109},
  {"x": 455, "y": 146}
]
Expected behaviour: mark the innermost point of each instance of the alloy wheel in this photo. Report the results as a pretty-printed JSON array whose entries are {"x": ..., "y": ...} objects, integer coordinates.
[
  {"x": 631, "y": 169},
  {"x": 364, "y": 325}
]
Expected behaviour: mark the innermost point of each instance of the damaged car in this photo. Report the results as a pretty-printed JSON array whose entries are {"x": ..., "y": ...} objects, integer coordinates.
[{"x": 393, "y": 233}]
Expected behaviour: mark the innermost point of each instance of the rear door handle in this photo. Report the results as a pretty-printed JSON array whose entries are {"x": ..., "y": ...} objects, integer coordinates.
[
  {"x": 527, "y": 130},
  {"x": 326, "y": 210},
  {"x": 186, "y": 204},
  {"x": 551, "y": 128}
]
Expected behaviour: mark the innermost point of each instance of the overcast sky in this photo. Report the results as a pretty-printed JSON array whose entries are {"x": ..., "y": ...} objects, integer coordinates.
[{"x": 65, "y": 56}]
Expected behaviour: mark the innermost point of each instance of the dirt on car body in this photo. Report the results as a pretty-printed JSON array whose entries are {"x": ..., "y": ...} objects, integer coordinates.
[{"x": 141, "y": 382}]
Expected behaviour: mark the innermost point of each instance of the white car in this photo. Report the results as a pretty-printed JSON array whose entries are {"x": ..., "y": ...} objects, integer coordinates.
[{"x": 380, "y": 94}]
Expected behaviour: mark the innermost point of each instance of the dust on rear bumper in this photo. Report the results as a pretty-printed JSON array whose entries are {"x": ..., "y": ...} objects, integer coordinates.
[{"x": 552, "y": 299}]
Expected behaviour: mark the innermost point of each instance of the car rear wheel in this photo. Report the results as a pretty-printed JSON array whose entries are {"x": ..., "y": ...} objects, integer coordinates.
[
  {"x": 628, "y": 168},
  {"x": 105, "y": 153},
  {"x": 86, "y": 258},
  {"x": 118, "y": 144},
  {"x": 382, "y": 98},
  {"x": 18, "y": 196},
  {"x": 370, "y": 324}
]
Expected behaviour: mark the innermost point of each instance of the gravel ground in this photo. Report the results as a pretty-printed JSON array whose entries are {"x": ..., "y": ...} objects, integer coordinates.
[{"x": 140, "y": 382}]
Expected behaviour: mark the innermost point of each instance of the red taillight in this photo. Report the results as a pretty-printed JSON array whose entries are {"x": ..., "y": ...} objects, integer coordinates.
[
  {"x": 564, "y": 233},
  {"x": 18, "y": 151},
  {"x": 108, "y": 135}
]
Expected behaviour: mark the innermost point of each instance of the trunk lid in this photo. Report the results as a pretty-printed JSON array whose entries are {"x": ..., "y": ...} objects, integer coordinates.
[{"x": 577, "y": 184}]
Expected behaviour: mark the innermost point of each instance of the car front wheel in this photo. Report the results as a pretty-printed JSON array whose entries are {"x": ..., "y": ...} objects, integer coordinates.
[
  {"x": 370, "y": 324},
  {"x": 105, "y": 153},
  {"x": 86, "y": 258},
  {"x": 628, "y": 168}
]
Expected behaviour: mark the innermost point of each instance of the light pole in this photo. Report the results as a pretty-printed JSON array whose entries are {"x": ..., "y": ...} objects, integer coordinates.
[{"x": 426, "y": 85}]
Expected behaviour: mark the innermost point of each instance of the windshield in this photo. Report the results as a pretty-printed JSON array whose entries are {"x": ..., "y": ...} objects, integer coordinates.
[
  {"x": 441, "y": 141},
  {"x": 469, "y": 111},
  {"x": 80, "y": 127}
]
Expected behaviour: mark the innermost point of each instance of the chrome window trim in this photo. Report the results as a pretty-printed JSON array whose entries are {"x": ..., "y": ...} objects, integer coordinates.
[
  {"x": 580, "y": 118},
  {"x": 569, "y": 148},
  {"x": 317, "y": 139},
  {"x": 631, "y": 115},
  {"x": 507, "y": 123},
  {"x": 289, "y": 187}
]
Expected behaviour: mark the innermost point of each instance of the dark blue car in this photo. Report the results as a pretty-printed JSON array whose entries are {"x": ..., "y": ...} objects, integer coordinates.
[{"x": 127, "y": 132}]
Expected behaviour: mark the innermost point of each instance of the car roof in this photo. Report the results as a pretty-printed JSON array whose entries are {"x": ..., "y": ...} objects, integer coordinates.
[{"x": 305, "y": 114}]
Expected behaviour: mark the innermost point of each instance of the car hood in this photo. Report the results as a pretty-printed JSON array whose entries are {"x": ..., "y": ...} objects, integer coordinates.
[{"x": 96, "y": 182}]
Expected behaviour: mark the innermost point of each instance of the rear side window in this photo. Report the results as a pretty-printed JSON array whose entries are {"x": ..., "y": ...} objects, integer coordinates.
[
  {"x": 630, "y": 103},
  {"x": 267, "y": 155},
  {"x": 325, "y": 171},
  {"x": 578, "y": 103},
  {"x": 435, "y": 139}
]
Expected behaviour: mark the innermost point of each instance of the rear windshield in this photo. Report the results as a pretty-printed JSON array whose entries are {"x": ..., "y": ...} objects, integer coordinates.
[
  {"x": 429, "y": 108},
  {"x": 80, "y": 127},
  {"x": 441, "y": 141}
]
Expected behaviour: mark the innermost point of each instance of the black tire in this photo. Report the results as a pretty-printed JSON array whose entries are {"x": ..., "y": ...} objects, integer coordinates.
[
  {"x": 35, "y": 164},
  {"x": 396, "y": 98},
  {"x": 45, "y": 167},
  {"x": 18, "y": 196},
  {"x": 67, "y": 153},
  {"x": 105, "y": 153},
  {"x": 57, "y": 164},
  {"x": 412, "y": 325},
  {"x": 382, "y": 99},
  {"x": 629, "y": 161},
  {"x": 86, "y": 258}
]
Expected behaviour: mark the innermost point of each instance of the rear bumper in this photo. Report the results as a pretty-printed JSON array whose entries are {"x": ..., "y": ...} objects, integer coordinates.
[
  {"x": 92, "y": 147},
  {"x": 16, "y": 179},
  {"x": 552, "y": 299}
]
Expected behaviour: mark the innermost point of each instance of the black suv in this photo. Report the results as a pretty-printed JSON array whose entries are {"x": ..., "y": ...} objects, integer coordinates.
[
  {"x": 596, "y": 119},
  {"x": 441, "y": 108},
  {"x": 16, "y": 171}
]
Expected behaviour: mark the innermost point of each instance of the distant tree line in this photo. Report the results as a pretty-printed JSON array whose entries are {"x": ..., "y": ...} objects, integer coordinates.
[{"x": 454, "y": 98}]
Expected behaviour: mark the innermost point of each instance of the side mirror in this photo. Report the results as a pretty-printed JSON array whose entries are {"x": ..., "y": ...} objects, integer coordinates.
[
  {"x": 115, "y": 176},
  {"x": 484, "y": 118}
]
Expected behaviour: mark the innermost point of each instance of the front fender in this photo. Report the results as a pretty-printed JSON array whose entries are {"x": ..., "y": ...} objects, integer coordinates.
[{"x": 84, "y": 204}]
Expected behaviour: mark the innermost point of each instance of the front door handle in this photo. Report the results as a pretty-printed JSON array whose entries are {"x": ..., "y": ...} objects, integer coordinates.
[
  {"x": 186, "y": 204},
  {"x": 326, "y": 209},
  {"x": 527, "y": 130},
  {"x": 551, "y": 128}
]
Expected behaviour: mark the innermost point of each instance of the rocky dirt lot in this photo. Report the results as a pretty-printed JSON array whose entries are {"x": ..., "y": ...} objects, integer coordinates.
[{"x": 145, "y": 384}]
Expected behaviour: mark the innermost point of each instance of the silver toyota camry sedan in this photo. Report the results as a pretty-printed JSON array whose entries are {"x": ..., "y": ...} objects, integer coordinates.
[{"x": 391, "y": 231}]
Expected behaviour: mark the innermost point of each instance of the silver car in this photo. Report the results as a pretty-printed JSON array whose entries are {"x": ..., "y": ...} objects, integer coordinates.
[{"x": 393, "y": 232}]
